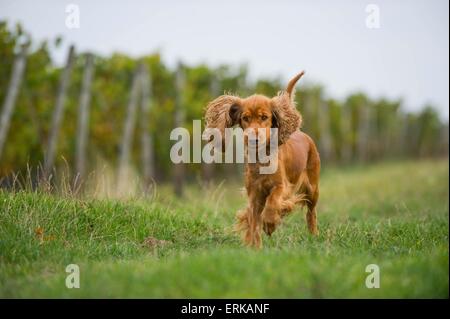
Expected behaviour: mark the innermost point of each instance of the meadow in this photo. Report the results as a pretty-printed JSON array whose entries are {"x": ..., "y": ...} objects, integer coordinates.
[{"x": 392, "y": 214}]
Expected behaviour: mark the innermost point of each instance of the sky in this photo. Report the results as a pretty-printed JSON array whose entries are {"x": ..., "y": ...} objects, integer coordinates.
[{"x": 406, "y": 58}]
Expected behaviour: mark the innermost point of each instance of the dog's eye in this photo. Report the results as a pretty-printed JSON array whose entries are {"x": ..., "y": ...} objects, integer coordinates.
[
  {"x": 264, "y": 117},
  {"x": 245, "y": 118}
]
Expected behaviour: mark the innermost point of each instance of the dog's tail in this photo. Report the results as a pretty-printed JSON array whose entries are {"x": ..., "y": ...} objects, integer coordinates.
[{"x": 291, "y": 85}]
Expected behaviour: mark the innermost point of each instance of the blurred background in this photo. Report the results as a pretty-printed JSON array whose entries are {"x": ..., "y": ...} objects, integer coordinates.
[{"x": 90, "y": 92}]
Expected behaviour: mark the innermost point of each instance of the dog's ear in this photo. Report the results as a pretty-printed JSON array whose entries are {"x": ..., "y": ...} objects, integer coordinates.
[
  {"x": 223, "y": 112},
  {"x": 235, "y": 113},
  {"x": 284, "y": 113}
]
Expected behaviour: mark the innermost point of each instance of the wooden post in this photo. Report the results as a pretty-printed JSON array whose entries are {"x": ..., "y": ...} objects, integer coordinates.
[
  {"x": 413, "y": 136},
  {"x": 444, "y": 140},
  {"x": 346, "y": 129},
  {"x": 146, "y": 138},
  {"x": 11, "y": 95},
  {"x": 363, "y": 131},
  {"x": 130, "y": 121},
  {"x": 325, "y": 149},
  {"x": 178, "y": 177},
  {"x": 235, "y": 169},
  {"x": 307, "y": 113},
  {"x": 83, "y": 116},
  {"x": 385, "y": 137},
  {"x": 402, "y": 135},
  {"x": 58, "y": 113},
  {"x": 208, "y": 168}
]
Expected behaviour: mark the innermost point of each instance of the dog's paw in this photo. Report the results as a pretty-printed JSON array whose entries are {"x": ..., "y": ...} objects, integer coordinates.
[{"x": 269, "y": 228}]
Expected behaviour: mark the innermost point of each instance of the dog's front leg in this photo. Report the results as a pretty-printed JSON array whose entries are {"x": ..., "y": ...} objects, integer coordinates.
[
  {"x": 272, "y": 209},
  {"x": 253, "y": 232}
]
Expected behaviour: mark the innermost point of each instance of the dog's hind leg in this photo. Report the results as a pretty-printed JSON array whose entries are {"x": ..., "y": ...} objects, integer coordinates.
[
  {"x": 309, "y": 196},
  {"x": 311, "y": 215},
  {"x": 312, "y": 192}
]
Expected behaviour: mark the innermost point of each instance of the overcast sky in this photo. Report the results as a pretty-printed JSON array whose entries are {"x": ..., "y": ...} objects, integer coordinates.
[{"x": 407, "y": 57}]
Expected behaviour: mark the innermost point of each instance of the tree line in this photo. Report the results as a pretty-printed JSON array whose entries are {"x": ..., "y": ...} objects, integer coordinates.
[{"x": 120, "y": 110}]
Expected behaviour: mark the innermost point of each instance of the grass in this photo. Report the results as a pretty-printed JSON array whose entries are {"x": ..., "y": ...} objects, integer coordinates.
[{"x": 393, "y": 214}]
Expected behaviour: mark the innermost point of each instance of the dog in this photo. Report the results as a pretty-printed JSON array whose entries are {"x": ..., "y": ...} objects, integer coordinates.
[{"x": 296, "y": 179}]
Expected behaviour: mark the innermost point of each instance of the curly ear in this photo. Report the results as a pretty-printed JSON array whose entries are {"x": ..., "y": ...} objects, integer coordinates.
[
  {"x": 286, "y": 117},
  {"x": 223, "y": 112}
]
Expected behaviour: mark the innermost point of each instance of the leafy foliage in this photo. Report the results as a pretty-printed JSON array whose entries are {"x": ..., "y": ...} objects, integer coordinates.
[{"x": 391, "y": 131}]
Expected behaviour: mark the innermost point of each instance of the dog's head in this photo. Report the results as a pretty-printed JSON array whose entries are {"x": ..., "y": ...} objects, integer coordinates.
[{"x": 257, "y": 112}]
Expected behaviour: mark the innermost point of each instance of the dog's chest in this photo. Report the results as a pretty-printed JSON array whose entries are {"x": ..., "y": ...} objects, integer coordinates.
[{"x": 259, "y": 183}]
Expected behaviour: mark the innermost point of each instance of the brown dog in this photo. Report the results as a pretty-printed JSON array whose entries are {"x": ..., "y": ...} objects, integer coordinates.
[{"x": 296, "y": 179}]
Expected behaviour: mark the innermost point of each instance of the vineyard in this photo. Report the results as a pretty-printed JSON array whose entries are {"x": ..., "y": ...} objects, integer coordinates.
[{"x": 116, "y": 113}]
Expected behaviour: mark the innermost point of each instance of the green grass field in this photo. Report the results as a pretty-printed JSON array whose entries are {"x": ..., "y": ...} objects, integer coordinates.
[{"x": 393, "y": 214}]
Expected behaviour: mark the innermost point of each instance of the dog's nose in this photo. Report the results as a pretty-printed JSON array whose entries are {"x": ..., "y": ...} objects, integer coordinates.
[
  {"x": 252, "y": 136},
  {"x": 253, "y": 142}
]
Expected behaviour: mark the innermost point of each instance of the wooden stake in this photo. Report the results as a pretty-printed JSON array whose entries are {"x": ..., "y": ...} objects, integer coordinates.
[
  {"x": 58, "y": 113},
  {"x": 11, "y": 95},
  {"x": 208, "y": 168},
  {"x": 83, "y": 116},
  {"x": 130, "y": 121},
  {"x": 146, "y": 138},
  {"x": 178, "y": 177}
]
